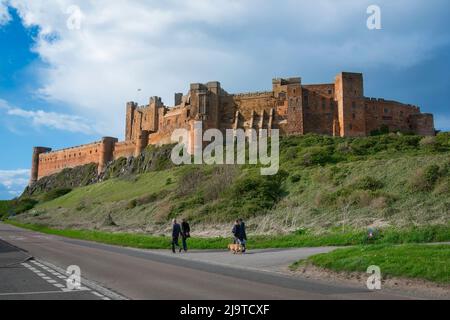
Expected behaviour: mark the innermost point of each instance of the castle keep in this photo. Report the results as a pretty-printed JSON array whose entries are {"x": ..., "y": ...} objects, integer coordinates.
[{"x": 336, "y": 109}]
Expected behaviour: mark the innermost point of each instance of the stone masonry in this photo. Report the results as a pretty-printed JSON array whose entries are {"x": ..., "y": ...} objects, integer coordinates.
[{"x": 336, "y": 109}]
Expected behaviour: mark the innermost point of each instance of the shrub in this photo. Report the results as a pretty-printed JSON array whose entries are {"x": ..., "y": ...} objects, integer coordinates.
[
  {"x": 132, "y": 204},
  {"x": 425, "y": 179},
  {"x": 253, "y": 192},
  {"x": 54, "y": 194},
  {"x": 368, "y": 183},
  {"x": 443, "y": 139},
  {"x": 296, "y": 177},
  {"x": 317, "y": 156},
  {"x": 429, "y": 143},
  {"x": 21, "y": 205}
]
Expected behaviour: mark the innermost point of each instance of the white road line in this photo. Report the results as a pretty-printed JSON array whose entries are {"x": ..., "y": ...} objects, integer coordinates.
[
  {"x": 88, "y": 285},
  {"x": 31, "y": 293},
  {"x": 98, "y": 294}
]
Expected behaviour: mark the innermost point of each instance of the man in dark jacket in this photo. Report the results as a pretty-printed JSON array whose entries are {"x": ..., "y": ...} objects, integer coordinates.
[
  {"x": 237, "y": 232},
  {"x": 176, "y": 232},
  {"x": 185, "y": 234},
  {"x": 243, "y": 234}
]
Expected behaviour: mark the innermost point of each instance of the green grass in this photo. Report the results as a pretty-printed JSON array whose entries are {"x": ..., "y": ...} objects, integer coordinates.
[
  {"x": 295, "y": 240},
  {"x": 428, "y": 262},
  {"x": 115, "y": 190}
]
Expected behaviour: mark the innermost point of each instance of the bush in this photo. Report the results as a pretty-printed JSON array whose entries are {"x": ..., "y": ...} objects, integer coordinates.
[
  {"x": 443, "y": 139},
  {"x": 21, "y": 205},
  {"x": 317, "y": 156},
  {"x": 425, "y": 179},
  {"x": 368, "y": 183},
  {"x": 54, "y": 194},
  {"x": 296, "y": 177},
  {"x": 253, "y": 192},
  {"x": 430, "y": 144}
]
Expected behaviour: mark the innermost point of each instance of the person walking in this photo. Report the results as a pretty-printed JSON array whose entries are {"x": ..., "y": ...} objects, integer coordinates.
[
  {"x": 243, "y": 235},
  {"x": 185, "y": 234},
  {"x": 237, "y": 232},
  {"x": 176, "y": 232}
]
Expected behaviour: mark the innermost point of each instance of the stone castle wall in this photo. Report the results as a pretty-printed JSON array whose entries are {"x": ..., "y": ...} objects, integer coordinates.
[{"x": 335, "y": 109}]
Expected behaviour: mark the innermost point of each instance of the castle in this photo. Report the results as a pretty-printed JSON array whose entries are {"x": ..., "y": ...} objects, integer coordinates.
[{"x": 336, "y": 109}]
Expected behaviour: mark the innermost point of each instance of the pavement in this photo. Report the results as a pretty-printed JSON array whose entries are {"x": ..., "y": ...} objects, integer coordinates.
[{"x": 112, "y": 272}]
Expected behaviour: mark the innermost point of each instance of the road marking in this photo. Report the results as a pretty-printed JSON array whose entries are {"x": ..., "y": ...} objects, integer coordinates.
[
  {"x": 33, "y": 293},
  {"x": 58, "y": 274}
]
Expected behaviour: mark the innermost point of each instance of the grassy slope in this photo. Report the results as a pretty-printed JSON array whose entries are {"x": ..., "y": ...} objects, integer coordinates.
[
  {"x": 323, "y": 185},
  {"x": 429, "y": 262}
]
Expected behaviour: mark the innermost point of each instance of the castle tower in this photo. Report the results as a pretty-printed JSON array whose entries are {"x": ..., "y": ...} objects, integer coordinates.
[
  {"x": 205, "y": 101},
  {"x": 131, "y": 111},
  {"x": 155, "y": 105},
  {"x": 35, "y": 162},
  {"x": 349, "y": 94},
  {"x": 141, "y": 143},
  {"x": 291, "y": 90},
  {"x": 106, "y": 152}
]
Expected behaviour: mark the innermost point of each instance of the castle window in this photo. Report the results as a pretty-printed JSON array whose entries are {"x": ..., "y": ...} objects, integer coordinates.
[
  {"x": 350, "y": 126},
  {"x": 354, "y": 116},
  {"x": 330, "y": 91},
  {"x": 354, "y": 105},
  {"x": 386, "y": 110}
]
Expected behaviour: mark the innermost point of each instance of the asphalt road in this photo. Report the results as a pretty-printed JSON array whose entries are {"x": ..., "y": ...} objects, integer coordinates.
[{"x": 111, "y": 272}]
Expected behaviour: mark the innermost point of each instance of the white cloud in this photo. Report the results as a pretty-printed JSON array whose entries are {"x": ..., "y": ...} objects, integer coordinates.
[
  {"x": 162, "y": 46},
  {"x": 14, "y": 181},
  {"x": 5, "y": 17},
  {"x": 52, "y": 120}
]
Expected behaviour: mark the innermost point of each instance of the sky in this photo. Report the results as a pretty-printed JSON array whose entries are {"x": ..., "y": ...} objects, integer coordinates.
[{"x": 68, "y": 67}]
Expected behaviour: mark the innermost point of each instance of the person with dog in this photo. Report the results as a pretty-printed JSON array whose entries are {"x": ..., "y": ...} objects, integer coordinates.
[
  {"x": 237, "y": 233},
  {"x": 176, "y": 232},
  {"x": 185, "y": 234},
  {"x": 243, "y": 235}
]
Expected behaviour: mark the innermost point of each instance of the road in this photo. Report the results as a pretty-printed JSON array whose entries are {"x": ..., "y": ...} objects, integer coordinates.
[{"x": 111, "y": 272}]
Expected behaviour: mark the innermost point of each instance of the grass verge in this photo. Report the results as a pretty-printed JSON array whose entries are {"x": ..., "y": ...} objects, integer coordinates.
[
  {"x": 296, "y": 240},
  {"x": 417, "y": 261}
]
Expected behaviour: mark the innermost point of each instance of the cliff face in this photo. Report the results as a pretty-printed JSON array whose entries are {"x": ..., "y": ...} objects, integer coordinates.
[
  {"x": 152, "y": 159},
  {"x": 67, "y": 179}
]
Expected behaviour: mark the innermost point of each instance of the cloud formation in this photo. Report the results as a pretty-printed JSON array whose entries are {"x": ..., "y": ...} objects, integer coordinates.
[
  {"x": 13, "y": 182},
  {"x": 5, "y": 17},
  {"x": 52, "y": 120},
  {"x": 162, "y": 46}
]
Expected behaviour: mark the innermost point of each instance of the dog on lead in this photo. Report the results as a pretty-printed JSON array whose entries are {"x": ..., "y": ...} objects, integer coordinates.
[{"x": 235, "y": 248}]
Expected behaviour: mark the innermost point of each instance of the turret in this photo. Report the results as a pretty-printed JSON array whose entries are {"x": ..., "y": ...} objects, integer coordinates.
[
  {"x": 35, "y": 162},
  {"x": 141, "y": 143},
  {"x": 106, "y": 152}
]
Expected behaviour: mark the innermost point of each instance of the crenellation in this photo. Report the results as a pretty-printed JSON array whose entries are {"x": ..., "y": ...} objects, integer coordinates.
[{"x": 336, "y": 109}]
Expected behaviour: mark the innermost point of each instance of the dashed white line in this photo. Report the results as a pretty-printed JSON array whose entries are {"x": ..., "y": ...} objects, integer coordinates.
[{"x": 58, "y": 273}]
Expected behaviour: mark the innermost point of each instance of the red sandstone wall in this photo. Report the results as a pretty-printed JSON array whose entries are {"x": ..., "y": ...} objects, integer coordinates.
[
  {"x": 124, "y": 149},
  {"x": 319, "y": 110},
  {"x": 394, "y": 115},
  {"x": 53, "y": 162}
]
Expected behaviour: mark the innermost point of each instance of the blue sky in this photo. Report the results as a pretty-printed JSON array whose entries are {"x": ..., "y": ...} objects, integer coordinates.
[{"x": 62, "y": 86}]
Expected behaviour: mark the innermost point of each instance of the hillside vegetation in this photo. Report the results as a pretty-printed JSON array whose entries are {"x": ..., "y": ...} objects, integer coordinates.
[{"x": 324, "y": 184}]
